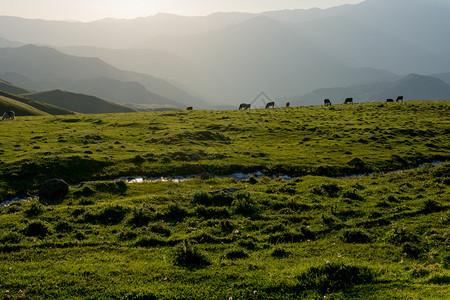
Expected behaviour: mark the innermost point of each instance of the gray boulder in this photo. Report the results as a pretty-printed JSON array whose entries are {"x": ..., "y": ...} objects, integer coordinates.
[{"x": 53, "y": 191}]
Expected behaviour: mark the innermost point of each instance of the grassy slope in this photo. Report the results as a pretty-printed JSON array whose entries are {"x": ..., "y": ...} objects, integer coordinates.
[
  {"x": 19, "y": 108},
  {"x": 110, "y": 240},
  {"x": 305, "y": 140},
  {"x": 11, "y": 88},
  {"x": 80, "y": 103},
  {"x": 44, "y": 107}
]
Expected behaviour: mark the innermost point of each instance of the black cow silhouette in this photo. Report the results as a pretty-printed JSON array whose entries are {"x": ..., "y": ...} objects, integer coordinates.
[
  {"x": 270, "y": 104},
  {"x": 244, "y": 106},
  {"x": 327, "y": 102},
  {"x": 348, "y": 100}
]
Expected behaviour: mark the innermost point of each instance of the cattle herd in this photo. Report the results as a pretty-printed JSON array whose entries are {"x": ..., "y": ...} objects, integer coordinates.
[{"x": 326, "y": 102}]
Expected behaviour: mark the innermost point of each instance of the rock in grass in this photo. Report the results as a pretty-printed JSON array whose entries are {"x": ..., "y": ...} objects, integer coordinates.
[{"x": 53, "y": 191}]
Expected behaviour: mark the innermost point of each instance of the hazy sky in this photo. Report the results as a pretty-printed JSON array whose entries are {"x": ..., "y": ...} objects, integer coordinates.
[{"x": 88, "y": 10}]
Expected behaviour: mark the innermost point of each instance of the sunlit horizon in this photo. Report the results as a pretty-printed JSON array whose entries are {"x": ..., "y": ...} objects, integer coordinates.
[{"x": 92, "y": 10}]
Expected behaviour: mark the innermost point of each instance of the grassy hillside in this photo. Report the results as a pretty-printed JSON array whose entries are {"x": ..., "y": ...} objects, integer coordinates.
[
  {"x": 19, "y": 108},
  {"x": 11, "y": 88},
  {"x": 334, "y": 141},
  {"x": 383, "y": 236},
  {"x": 80, "y": 103},
  {"x": 47, "y": 108}
]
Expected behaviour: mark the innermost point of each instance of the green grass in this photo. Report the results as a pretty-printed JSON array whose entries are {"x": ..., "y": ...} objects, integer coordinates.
[
  {"x": 334, "y": 141},
  {"x": 383, "y": 236}
]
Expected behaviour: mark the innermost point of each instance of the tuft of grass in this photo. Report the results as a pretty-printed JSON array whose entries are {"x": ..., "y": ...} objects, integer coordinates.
[
  {"x": 188, "y": 256},
  {"x": 335, "y": 277},
  {"x": 355, "y": 236}
]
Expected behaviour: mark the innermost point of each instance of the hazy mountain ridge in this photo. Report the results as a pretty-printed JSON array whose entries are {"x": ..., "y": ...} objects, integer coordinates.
[
  {"x": 79, "y": 103},
  {"x": 23, "y": 106},
  {"x": 411, "y": 87},
  {"x": 47, "y": 68},
  {"x": 231, "y": 57}
]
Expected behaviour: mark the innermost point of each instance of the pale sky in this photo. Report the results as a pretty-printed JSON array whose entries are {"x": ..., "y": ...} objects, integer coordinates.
[{"x": 89, "y": 10}]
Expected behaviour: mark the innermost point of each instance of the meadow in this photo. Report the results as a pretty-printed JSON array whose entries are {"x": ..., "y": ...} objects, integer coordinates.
[{"x": 321, "y": 234}]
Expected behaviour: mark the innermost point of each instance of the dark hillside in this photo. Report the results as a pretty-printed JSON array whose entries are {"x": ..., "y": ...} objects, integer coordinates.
[
  {"x": 80, "y": 103},
  {"x": 19, "y": 108},
  {"x": 11, "y": 88},
  {"x": 41, "y": 106}
]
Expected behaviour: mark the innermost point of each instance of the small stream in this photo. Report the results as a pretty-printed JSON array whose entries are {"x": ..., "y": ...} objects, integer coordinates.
[{"x": 236, "y": 176}]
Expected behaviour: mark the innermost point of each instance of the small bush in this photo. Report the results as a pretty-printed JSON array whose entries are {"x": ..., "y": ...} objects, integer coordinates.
[
  {"x": 36, "y": 228},
  {"x": 248, "y": 244},
  {"x": 218, "y": 199},
  {"x": 63, "y": 226},
  {"x": 334, "y": 277},
  {"x": 175, "y": 212},
  {"x": 140, "y": 217},
  {"x": 116, "y": 187},
  {"x": 34, "y": 210},
  {"x": 280, "y": 253},
  {"x": 236, "y": 254},
  {"x": 160, "y": 229},
  {"x": 431, "y": 206},
  {"x": 187, "y": 256},
  {"x": 245, "y": 205},
  {"x": 127, "y": 235},
  {"x": 11, "y": 238},
  {"x": 112, "y": 215},
  {"x": 212, "y": 212},
  {"x": 352, "y": 195},
  {"x": 252, "y": 179},
  {"x": 413, "y": 250},
  {"x": 356, "y": 236}
]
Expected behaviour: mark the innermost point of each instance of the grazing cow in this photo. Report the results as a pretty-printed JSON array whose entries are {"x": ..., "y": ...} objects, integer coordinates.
[
  {"x": 348, "y": 100},
  {"x": 270, "y": 104},
  {"x": 389, "y": 100},
  {"x": 190, "y": 108},
  {"x": 9, "y": 115},
  {"x": 288, "y": 104},
  {"x": 399, "y": 98},
  {"x": 327, "y": 102},
  {"x": 244, "y": 106}
]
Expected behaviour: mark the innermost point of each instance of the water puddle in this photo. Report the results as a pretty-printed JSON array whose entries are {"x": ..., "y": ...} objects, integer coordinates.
[{"x": 236, "y": 176}]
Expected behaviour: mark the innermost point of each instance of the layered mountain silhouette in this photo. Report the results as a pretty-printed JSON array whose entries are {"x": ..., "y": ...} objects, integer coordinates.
[
  {"x": 411, "y": 87},
  {"x": 228, "y": 58},
  {"x": 23, "y": 106},
  {"x": 41, "y": 68},
  {"x": 79, "y": 103}
]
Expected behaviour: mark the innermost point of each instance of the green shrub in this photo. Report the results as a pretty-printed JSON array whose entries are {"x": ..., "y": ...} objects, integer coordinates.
[
  {"x": 280, "y": 253},
  {"x": 187, "y": 255},
  {"x": 140, "y": 217},
  {"x": 160, "y": 229},
  {"x": 63, "y": 226},
  {"x": 212, "y": 212},
  {"x": 356, "y": 236},
  {"x": 236, "y": 254},
  {"x": 218, "y": 199},
  {"x": 175, "y": 212},
  {"x": 34, "y": 210},
  {"x": 334, "y": 277},
  {"x": 36, "y": 228},
  {"x": 11, "y": 238},
  {"x": 244, "y": 205},
  {"x": 431, "y": 206},
  {"x": 127, "y": 235}
]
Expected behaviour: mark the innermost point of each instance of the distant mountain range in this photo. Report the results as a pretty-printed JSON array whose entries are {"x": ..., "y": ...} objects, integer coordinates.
[
  {"x": 411, "y": 87},
  {"x": 41, "y": 68},
  {"x": 79, "y": 103},
  {"x": 228, "y": 58},
  {"x": 26, "y": 107}
]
